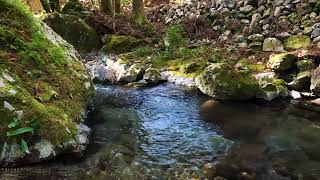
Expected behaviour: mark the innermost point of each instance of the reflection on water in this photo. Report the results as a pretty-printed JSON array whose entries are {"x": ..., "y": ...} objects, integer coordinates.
[{"x": 273, "y": 137}]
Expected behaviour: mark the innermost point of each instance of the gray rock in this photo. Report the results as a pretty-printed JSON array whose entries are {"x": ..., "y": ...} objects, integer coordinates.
[
  {"x": 152, "y": 75},
  {"x": 246, "y": 9},
  {"x": 272, "y": 44},
  {"x": 256, "y": 38},
  {"x": 315, "y": 33}
]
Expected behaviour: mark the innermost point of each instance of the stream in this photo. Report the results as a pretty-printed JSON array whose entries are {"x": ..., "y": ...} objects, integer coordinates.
[{"x": 173, "y": 132}]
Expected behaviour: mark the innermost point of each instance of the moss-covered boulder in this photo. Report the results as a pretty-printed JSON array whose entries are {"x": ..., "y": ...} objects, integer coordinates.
[
  {"x": 75, "y": 31},
  {"x": 120, "y": 44},
  {"x": 281, "y": 62},
  {"x": 297, "y": 42},
  {"x": 44, "y": 90},
  {"x": 223, "y": 82}
]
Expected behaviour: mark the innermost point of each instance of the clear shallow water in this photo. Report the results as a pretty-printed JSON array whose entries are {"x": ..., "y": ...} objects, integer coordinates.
[
  {"x": 171, "y": 132},
  {"x": 164, "y": 121}
]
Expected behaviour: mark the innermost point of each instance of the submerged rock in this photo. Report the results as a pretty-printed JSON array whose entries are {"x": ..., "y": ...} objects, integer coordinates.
[{"x": 222, "y": 82}]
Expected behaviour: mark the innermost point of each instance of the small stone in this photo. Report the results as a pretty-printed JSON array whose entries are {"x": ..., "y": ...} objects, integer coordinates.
[
  {"x": 1, "y": 83},
  {"x": 315, "y": 33},
  {"x": 277, "y": 11},
  {"x": 246, "y": 9},
  {"x": 12, "y": 92},
  {"x": 256, "y": 37},
  {"x": 8, "y": 77},
  {"x": 8, "y": 106},
  {"x": 19, "y": 114}
]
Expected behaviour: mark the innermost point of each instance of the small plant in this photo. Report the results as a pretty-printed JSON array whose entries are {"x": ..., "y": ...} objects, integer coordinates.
[
  {"x": 216, "y": 56},
  {"x": 175, "y": 38},
  {"x": 15, "y": 131}
]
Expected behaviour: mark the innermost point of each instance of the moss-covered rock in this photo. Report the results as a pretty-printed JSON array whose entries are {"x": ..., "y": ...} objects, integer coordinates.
[
  {"x": 75, "y": 31},
  {"x": 315, "y": 81},
  {"x": 306, "y": 65},
  {"x": 44, "y": 88},
  {"x": 281, "y": 62},
  {"x": 74, "y": 7},
  {"x": 297, "y": 42},
  {"x": 221, "y": 81},
  {"x": 120, "y": 44},
  {"x": 302, "y": 81}
]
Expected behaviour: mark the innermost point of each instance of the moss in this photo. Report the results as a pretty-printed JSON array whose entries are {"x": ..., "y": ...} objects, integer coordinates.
[
  {"x": 297, "y": 41},
  {"x": 51, "y": 88},
  {"x": 293, "y": 17},
  {"x": 120, "y": 44}
]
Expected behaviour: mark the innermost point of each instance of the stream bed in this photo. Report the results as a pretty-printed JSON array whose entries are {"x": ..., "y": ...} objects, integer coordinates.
[{"x": 173, "y": 132}]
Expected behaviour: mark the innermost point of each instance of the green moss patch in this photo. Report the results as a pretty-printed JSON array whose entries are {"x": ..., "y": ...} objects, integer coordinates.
[{"x": 297, "y": 42}]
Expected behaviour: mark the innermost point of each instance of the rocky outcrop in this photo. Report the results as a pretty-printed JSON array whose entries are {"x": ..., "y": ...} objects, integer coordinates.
[
  {"x": 43, "y": 103},
  {"x": 222, "y": 82},
  {"x": 75, "y": 31}
]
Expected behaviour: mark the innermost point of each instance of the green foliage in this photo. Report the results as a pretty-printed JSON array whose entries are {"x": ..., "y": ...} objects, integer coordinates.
[
  {"x": 175, "y": 38},
  {"x": 17, "y": 132}
]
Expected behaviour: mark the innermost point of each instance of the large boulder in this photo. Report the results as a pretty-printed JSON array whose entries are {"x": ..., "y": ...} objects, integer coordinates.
[
  {"x": 222, "y": 82},
  {"x": 297, "y": 41},
  {"x": 281, "y": 62},
  {"x": 75, "y": 31},
  {"x": 44, "y": 90}
]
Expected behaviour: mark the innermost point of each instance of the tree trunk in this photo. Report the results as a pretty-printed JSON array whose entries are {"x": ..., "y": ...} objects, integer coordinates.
[
  {"x": 106, "y": 7},
  {"x": 46, "y": 6},
  {"x": 117, "y": 6},
  {"x": 138, "y": 14}
]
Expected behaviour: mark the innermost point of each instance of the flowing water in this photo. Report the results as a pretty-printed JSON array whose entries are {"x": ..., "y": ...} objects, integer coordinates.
[{"x": 167, "y": 131}]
